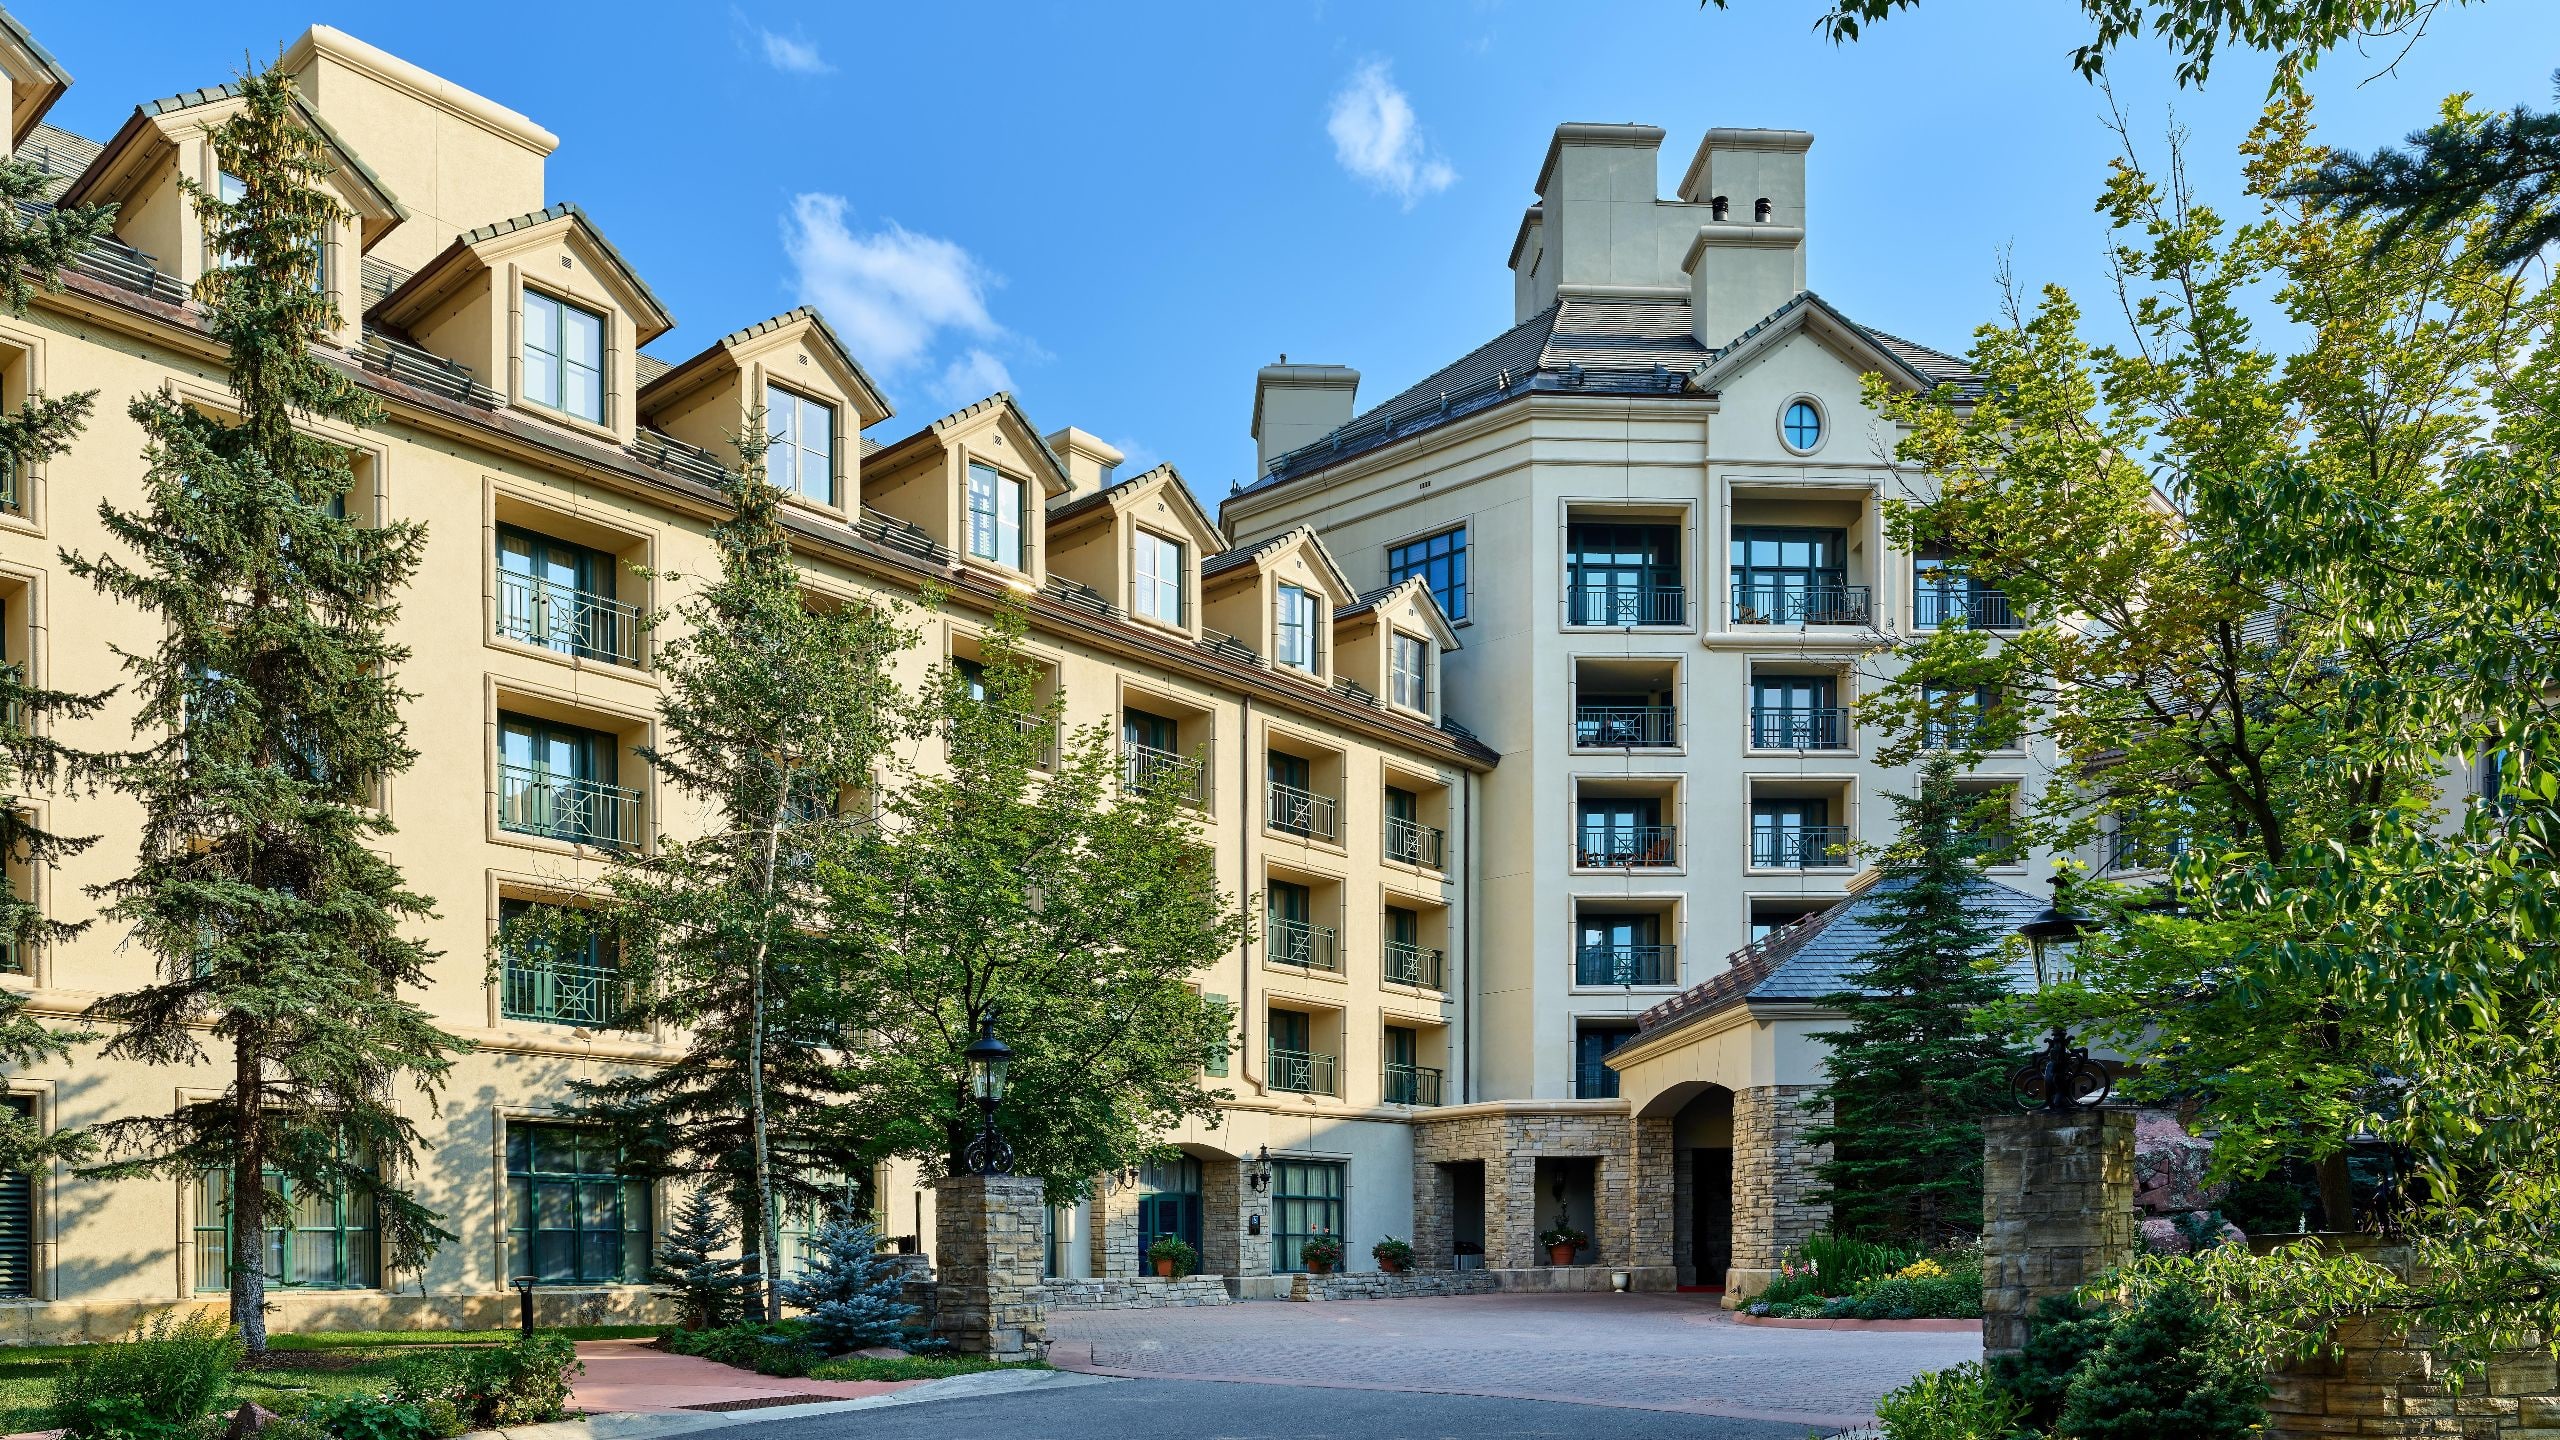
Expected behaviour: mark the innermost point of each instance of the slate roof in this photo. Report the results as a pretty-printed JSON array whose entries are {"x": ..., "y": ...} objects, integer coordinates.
[
  {"x": 1815, "y": 956},
  {"x": 1361, "y": 604},
  {"x": 61, "y": 155}
]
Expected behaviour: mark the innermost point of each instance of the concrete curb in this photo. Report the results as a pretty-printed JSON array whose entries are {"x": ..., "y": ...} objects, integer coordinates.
[{"x": 626, "y": 1425}]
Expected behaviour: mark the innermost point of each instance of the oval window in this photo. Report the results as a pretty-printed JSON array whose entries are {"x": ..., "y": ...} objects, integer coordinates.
[{"x": 1803, "y": 425}]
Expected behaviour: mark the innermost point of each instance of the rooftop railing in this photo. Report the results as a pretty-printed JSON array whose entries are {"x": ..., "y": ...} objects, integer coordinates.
[{"x": 434, "y": 374}]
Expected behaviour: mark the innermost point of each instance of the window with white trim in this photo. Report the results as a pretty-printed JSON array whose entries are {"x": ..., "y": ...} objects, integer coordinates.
[
  {"x": 1409, "y": 671},
  {"x": 803, "y": 458},
  {"x": 1295, "y": 632},
  {"x": 1158, "y": 564},
  {"x": 995, "y": 516},
  {"x": 563, "y": 357}
]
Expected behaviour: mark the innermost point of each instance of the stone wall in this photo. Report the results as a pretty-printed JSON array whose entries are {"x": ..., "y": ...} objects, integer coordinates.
[
  {"x": 1136, "y": 1293},
  {"x": 1379, "y": 1285},
  {"x": 1774, "y": 1170},
  {"x": 988, "y": 1252},
  {"x": 1631, "y": 1189},
  {"x": 1113, "y": 1231},
  {"x": 2057, "y": 1211}
]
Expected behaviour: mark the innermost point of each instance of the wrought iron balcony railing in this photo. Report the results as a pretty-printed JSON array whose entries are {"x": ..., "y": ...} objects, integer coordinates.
[
  {"x": 1042, "y": 732},
  {"x": 1784, "y": 728},
  {"x": 1617, "y": 598},
  {"x": 557, "y": 993},
  {"x": 1801, "y": 605},
  {"x": 1309, "y": 947},
  {"x": 1413, "y": 843},
  {"x": 1809, "y": 847},
  {"x": 537, "y": 802},
  {"x": 1144, "y": 767},
  {"x": 1303, "y": 1071},
  {"x": 1632, "y": 727},
  {"x": 1412, "y": 1085},
  {"x": 567, "y": 619},
  {"x": 1626, "y": 847},
  {"x": 1419, "y": 965},
  {"x": 1626, "y": 965},
  {"x": 1934, "y": 606},
  {"x": 1300, "y": 812}
]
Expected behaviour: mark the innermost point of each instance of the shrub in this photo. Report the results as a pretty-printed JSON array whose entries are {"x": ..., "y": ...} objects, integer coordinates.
[
  {"x": 1392, "y": 1253},
  {"x": 523, "y": 1382},
  {"x": 372, "y": 1417},
  {"x": 707, "y": 1287},
  {"x": 784, "y": 1349},
  {"x": 2169, "y": 1367},
  {"x": 1842, "y": 1263},
  {"x": 1952, "y": 1404},
  {"x": 159, "y": 1383},
  {"x": 850, "y": 1291},
  {"x": 2062, "y": 1333},
  {"x": 1176, "y": 1249}
]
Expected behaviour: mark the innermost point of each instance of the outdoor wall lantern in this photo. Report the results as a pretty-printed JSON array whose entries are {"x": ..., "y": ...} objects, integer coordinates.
[
  {"x": 2063, "y": 1078},
  {"x": 988, "y": 1059},
  {"x": 1260, "y": 1173}
]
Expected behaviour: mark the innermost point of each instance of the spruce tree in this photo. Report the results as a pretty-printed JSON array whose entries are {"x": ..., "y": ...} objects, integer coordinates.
[
  {"x": 35, "y": 246},
  {"x": 693, "y": 1267},
  {"x": 1914, "y": 1074},
  {"x": 851, "y": 1293},
  {"x": 777, "y": 706},
  {"x": 267, "y": 718}
]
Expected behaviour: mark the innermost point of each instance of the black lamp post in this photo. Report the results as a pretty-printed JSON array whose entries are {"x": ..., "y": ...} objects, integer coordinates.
[
  {"x": 988, "y": 1059},
  {"x": 2063, "y": 1078}
]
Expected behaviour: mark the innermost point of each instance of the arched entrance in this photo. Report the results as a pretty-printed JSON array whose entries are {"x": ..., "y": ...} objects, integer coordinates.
[{"x": 1702, "y": 1182}]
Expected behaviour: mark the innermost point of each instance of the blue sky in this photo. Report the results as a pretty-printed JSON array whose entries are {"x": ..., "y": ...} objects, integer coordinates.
[{"x": 1120, "y": 212}]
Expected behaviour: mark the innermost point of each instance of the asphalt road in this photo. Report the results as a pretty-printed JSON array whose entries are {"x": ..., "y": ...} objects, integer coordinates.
[{"x": 1208, "y": 1410}]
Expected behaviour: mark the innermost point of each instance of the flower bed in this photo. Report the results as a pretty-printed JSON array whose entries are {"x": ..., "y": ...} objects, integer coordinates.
[{"x": 1850, "y": 1281}]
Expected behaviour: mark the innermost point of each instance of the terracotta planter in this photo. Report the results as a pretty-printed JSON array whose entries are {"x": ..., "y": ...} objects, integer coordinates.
[
  {"x": 1164, "y": 1269},
  {"x": 1561, "y": 1254},
  {"x": 1392, "y": 1267},
  {"x": 1318, "y": 1267}
]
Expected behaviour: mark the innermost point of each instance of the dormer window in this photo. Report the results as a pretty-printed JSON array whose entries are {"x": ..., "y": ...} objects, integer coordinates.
[
  {"x": 803, "y": 458},
  {"x": 563, "y": 357},
  {"x": 995, "y": 516},
  {"x": 1158, "y": 567},
  {"x": 1294, "y": 634},
  {"x": 1409, "y": 672},
  {"x": 230, "y": 189}
]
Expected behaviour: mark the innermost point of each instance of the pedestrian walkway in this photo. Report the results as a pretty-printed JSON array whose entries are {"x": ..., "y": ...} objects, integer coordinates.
[{"x": 628, "y": 1376}]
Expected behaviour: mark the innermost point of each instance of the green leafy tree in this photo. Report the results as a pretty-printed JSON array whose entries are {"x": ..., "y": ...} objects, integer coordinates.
[
  {"x": 2279, "y": 585},
  {"x": 778, "y": 707},
  {"x": 268, "y": 716},
  {"x": 1913, "y": 1075},
  {"x": 1078, "y": 907},
  {"x": 35, "y": 246}
]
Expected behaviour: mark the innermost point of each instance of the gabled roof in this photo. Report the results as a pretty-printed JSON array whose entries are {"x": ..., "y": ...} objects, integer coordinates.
[
  {"x": 1813, "y": 958},
  {"x": 37, "y": 79},
  {"x": 865, "y": 395},
  {"x": 1255, "y": 554},
  {"x": 1001, "y": 400},
  {"x": 378, "y": 208},
  {"x": 1442, "y": 631},
  {"x": 1915, "y": 365},
  {"x": 652, "y": 317},
  {"x": 1124, "y": 492}
]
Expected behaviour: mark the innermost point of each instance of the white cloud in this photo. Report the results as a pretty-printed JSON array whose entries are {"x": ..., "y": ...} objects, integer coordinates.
[
  {"x": 792, "y": 54},
  {"x": 973, "y": 376},
  {"x": 1377, "y": 138},
  {"x": 890, "y": 292}
]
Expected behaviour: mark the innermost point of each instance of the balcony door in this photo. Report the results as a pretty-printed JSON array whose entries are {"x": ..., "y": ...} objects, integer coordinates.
[
  {"x": 558, "y": 596},
  {"x": 1785, "y": 575},
  {"x": 1793, "y": 833},
  {"x": 1624, "y": 574},
  {"x": 1619, "y": 832},
  {"x": 1795, "y": 712},
  {"x": 1168, "y": 1204}
]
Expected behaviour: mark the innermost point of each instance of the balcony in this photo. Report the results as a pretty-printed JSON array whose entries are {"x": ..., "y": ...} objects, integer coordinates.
[
  {"x": 1411, "y": 842},
  {"x": 1303, "y": 945},
  {"x": 1412, "y": 1085},
  {"x": 557, "y": 993},
  {"x": 536, "y": 611},
  {"x": 1303, "y": 1071},
  {"x": 1626, "y": 727},
  {"x": 1300, "y": 812},
  {"x": 1614, "y": 597},
  {"x": 1801, "y": 605},
  {"x": 1787, "y": 728},
  {"x": 1143, "y": 768},
  {"x": 1041, "y": 732},
  {"x": 1933, "y": 606},
  {"x": 1627, "y": 847},
  {"x": 1808, "y": 847},
  {"x": 1416, "y": 965},
  {"x": 584, "y": 812},
  {"x": 1626, "y": 965}
]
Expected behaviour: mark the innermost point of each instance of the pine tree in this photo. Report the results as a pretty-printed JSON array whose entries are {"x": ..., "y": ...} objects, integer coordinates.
[
  {"x": 692, "y": 1267},
  {"x": 268, "y": 716},
  {"x": 777, "y": 706},
  {"x": 849, "y": 1291},
  {"x": 1913, "y": 1075},
  {"x": 2171, "y": 1366},
  {"x": 2495, "y": 178},
  {"x": 35, "y": 246}
]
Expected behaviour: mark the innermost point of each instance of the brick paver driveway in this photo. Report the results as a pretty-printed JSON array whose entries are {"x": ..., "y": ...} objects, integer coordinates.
[{"x": 1650, "y": 1352}]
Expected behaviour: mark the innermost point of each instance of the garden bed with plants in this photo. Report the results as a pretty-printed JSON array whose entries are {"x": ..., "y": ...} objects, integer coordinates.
[{"x": 1838, "y": 1283}]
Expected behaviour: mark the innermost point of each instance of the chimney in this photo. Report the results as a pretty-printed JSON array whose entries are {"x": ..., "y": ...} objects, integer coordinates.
[
  {"x": 1086, "y": 457},
  {"x": 1597, "y": 229},
  {"x": 1294, "y": 405},
  {"x": 1748, "y": 258}
]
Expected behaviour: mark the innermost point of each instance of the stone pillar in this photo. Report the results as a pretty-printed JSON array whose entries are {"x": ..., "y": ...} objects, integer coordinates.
[
  {"x": 1435, "y": 1214},
  {"x": 2057, "y": 1211},
  {"x": 1221, "y": 1215},
  {"x": 1652, "y": 1182},
  {"x": 1773, "y": 1171},
  {"x": 1115, "y": 1230},
  {"x": 1511, "y": 1199},
  {"x": 988, "y": 1259}
]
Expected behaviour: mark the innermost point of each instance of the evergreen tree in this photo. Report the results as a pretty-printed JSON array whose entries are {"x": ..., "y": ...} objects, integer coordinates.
[
  {"x": 777, "y": 707},
  {"x": 1914, "y": 1074},
  {"x": 692, "y": 1267},
  {"x": 35, "y": 245},
  {"x": 2171, "y": 1366},
  {"x": 2494, "y": 179},
  {"x": 268, "y": 716},
  {"x": 848, "y": 1289}
]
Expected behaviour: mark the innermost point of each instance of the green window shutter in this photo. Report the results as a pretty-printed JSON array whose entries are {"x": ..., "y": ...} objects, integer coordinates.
[
  {"x": 1226, "y": 1027},
  {"x": 17, "y": 1219}
]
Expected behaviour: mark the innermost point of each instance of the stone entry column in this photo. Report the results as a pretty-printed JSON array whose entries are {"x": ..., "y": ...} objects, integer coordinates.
[
  {"x": 1114, "y": 1237},
  {"x": 2057, "y": 1211},
  {"x": 1773, "y": 1171},
  {"x": 1435, "y": 1214},
  {"x": 1647, "y": 1199},
  {"x": 988, "y": 1256},
  {"x": 1231, "y": 1243}
]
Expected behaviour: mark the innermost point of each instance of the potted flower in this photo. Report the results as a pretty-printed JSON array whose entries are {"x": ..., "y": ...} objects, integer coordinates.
[
  {"x": 1173, "y": 1256},
  {"x": 1322, "y": 1253},
  {"x": 1393, "y": 1255},
  {"x": 1562, "y": 1240}
]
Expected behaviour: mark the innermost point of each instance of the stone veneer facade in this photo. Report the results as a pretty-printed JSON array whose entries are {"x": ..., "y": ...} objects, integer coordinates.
[
  {"x": 2057, "y": 1211},
  {"x": 1136, "y": 1293},
  {"x": 990, "y": 1247},
  {"x": 1631, "y": 1192},
  {"x": 1379, "y": 1285},
  {"x": 1774, "y": 1171}
]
